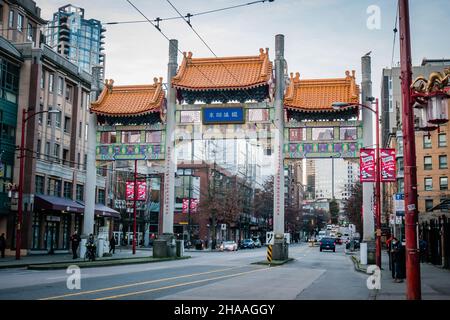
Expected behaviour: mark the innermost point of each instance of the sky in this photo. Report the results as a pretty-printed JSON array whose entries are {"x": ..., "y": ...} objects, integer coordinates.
[{"x": 323, "y": 38}]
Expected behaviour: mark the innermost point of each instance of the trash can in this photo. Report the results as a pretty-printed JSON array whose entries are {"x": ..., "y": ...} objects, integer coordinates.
[{"x": 180, "y": 248}]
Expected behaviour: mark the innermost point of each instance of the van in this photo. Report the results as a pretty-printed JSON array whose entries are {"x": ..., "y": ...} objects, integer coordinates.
[{"x": 322, "y": 234}]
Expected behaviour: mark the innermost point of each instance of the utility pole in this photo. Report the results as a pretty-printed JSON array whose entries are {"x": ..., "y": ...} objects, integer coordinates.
[
  {"x": 413, "y": 285},
  {"x": 134, "y": 205}
]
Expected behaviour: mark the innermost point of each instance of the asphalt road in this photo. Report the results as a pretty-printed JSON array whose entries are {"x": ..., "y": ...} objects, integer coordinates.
[{"x": 206, "y": 276}]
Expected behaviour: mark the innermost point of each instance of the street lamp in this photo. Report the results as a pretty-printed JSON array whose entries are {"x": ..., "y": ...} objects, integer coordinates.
[
  {"x": 25, "y": 118},
  {"x": 339, "y": 105}
]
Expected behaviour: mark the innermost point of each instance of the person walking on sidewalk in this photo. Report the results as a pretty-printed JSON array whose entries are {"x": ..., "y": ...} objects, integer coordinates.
[
  {"x": 75, "y": 239},
  {"x": 389, "y": 248},
  {"x": 112, "y": 245},
  {"x": 423, "y": 245},
  {"x": 398, "y": 252},
  {"x": 2, "y": 244}
]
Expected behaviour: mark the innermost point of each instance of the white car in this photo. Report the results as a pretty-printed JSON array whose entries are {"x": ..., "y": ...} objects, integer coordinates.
[{"x": 229, "y": 246}]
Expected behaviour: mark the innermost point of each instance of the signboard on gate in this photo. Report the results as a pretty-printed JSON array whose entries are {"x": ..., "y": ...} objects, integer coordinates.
[
  {"x": 367, "y": 165},
  {"x": 387, "y": 158}
]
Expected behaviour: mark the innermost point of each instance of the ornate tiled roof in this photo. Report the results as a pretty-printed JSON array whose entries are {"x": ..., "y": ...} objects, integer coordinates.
[
  {"x": 134, "y": 100},
  {"x": 318, "y": 95},
  {"x": 230, "y": 73}
]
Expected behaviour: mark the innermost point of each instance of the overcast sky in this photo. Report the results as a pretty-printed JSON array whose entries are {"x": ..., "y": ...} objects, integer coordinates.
[{"x": 323, "y": 38}]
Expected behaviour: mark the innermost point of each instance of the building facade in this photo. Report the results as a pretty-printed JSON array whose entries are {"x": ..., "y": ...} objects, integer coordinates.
[
  {"x": 432, "y": 148},
  {"x": 78, "y": 39}
]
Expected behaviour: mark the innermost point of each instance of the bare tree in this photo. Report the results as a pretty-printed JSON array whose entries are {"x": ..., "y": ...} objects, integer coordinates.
[{"x": 353, "y": 205}]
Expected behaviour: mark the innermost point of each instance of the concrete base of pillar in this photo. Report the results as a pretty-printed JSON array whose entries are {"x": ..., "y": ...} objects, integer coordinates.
[
  {"x": 280, "y": 250},
  {"x": 371, "y": 254},
  {"x": 165, "y": 246}
]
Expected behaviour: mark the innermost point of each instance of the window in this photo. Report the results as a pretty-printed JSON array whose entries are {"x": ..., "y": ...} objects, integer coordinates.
[
  {"x": 38, "y": 148},
  {"x": 443, "y": 183},
  {"x": 11, "y": 19},
  {"x": 54, "y": 187},
  {"x": 65, "y": 156},
  {"x": 428, "y": 204},
  {"x": 49, "y": 117},
  {"x": 442, "y": 140},
  {"x": 50, "y": 82},
  {"x": 20, "y": 22},
  {"x": 86, "y": 132},
  {"x": 67, "y": 124},
  {"x": 80, "y": 192},
  {"x": 68, "y": 189},
  {"x": 79, "y": 160},
  {"x": 101, "y": 196},
  {"x": 69, "y": 90},
  {"x": 154, "y": 136},
  {"x": 39, "y": 184},
  {"x": 85, "y": 162},
  {"x": 428, "y": 182},
  {"x": 58, "y": 119},
  {"x": 131, "y": 136},
  {"x": 427, "y": 163},
  {"x": 56, "y": 151},
  {"x": 443, "y": 162},
  {"x": 47, "y": 149},
  {"x": 108, "y": 137},
  {"x": 80, "y": 129},
  {"x": 426, "y": 142},
  {"x": 42, "y": 79},
  {"x": 60, "y": 85},
  {"x": 30, "y": 36}
]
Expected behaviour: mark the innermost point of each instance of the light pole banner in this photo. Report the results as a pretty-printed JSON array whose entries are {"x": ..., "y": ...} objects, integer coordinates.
[
  {"x": 367, "y": 165},
  {"x": 387, "y": 157}
]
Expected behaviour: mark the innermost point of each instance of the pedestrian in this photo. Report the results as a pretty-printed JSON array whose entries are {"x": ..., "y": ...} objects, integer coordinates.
[
  {"x": 2, "y": 244},
  {"x": 398, "y": 252},
  {"x": 423, "y": 245},
  {"x": 112, "y": 244},
  {"x": 75, "y": 239},
  {"x": 388, "y": 248}
]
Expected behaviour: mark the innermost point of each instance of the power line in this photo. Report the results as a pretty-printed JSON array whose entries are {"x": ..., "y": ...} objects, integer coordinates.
[
  {"x": 395, "y": 30},
  {"x": 209, "y": 48}
]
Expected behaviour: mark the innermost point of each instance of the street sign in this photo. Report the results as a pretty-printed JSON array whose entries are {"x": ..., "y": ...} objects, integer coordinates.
[
  {"x": 217, "y": 115},
  {"x": 367, "y": 165},
  {"x": 270, "y": 237},
  {"x": 399, "y": 204},
  {"x": 223, "y": 226},
  {"x": 387, "y": 157}
]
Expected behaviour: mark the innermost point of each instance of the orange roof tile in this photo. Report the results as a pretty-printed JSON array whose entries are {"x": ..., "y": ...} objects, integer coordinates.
[
  {"x": 224, "y": 72},
  {"x": 129, "y": 100},
  {"x": 318, "y": 95}
]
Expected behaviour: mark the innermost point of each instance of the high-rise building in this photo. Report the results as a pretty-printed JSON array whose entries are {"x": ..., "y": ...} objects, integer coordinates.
[
  {"x": 432, "y": 150},
  {"x": 78, "y": 39}
]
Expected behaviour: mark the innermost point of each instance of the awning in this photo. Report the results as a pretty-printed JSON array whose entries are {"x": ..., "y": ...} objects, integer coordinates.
[
  {"x": 103, "y": 211},
  {"x": 443, "y": 206},
  {"x": 44, "y": 202}
]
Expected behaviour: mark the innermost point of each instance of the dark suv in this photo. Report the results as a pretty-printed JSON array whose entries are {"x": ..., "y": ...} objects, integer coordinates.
[
  {"x": 328, "y": 244},
  {"x": 247, "y": 244}
]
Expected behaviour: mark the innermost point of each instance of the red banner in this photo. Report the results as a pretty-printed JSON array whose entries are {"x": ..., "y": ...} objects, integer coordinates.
[
  {"x": 185, "y": 205},
  {"x": 388, "y": 170},
  {"x": 142, "y": 190},
  {"x": 367, "y": 165}
]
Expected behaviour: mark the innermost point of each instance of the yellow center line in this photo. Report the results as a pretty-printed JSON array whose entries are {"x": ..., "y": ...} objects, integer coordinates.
[
  {"x": 137, "y": 284},
  {"x": 179, "y": 285}
]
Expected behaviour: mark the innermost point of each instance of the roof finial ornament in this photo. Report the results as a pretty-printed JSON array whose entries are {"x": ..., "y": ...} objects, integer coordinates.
[
  {"x": 261, "y": 52},
  {"x": 155, "y": 81},
  {"x": 189, "y": 55},
  {"x": 353, "y": 74},
  {"x": 347, "y": 75},
  {"x": 292, "y": 75},
  {"x": 297, "y": 76},
  {"x": 109, "y": 84}
]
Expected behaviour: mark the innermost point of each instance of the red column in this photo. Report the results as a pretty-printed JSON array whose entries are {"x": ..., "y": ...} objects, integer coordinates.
[
  {"x": 378, "y": 189},
  {"x": 134, "y": 206},
  {"x": 413, "y": 287}
]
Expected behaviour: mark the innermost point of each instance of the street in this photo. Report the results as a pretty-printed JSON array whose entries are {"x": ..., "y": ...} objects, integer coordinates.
[{"x": 206, "y": 276}]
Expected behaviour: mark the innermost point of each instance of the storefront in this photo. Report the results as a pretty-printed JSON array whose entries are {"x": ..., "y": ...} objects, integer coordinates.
[
  {"x": 105, "y": 217},
  {"x": 54, "y": 220}
]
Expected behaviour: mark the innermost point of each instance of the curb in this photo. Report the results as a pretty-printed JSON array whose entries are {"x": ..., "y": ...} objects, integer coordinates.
[
  {"x": 101, "y": 263},
  {"x": 274, "y": 263},
  {"x": 357, "y": 265}
]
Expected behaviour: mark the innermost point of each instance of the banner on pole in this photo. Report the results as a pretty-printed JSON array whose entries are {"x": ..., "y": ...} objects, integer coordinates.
[
  {"x": 387, "y": 157},
  {"x": 141, "y": 192},
  {"x": 367, "y": 165}
]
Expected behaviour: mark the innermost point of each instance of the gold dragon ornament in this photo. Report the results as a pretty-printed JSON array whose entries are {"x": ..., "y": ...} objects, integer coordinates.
[{"x": 436, "y": 81}]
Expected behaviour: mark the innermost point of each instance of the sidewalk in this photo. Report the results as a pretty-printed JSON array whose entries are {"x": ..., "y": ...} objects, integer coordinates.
[
  {"x": 121, "y": 254},
  {"x": 435, "y": 282}
]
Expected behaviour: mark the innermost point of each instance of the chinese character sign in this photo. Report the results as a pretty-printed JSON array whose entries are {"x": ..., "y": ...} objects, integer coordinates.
[
  {"x": 367, "y": 165},
  {"x": 387, "y": 157},
  {"x": 217, "y": 115},
  {"x": 142, "y": 190}
]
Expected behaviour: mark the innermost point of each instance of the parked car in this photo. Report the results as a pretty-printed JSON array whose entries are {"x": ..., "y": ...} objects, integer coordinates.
[
  {"x": 228, "y": 246},
  {"x": 355, "y": 242},
  {"x": 322, "y": 234},
  {"x": 247, "y": 244},
  {"x": 257, "y": 243},
  {"x": 328, "y": 244}
]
